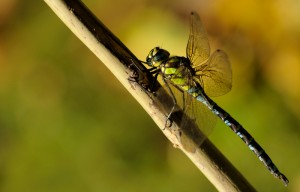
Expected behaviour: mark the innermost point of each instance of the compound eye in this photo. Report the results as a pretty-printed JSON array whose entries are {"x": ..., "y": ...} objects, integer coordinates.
[{"x": 156, "y": 49}]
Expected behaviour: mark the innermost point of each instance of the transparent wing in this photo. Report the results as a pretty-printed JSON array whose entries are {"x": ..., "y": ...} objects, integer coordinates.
[
  {"x": 202, "y": 116},
  {"x": 215, "y": 75},
  {"x": 197, "y": 49},
  {"x": 193, "y": 112}
]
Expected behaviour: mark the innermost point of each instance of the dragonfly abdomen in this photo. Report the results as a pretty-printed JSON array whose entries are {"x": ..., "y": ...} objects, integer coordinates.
[{"x": 199, "y": 94}]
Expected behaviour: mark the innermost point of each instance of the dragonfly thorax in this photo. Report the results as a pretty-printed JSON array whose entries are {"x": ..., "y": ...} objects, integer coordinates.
[{"x": 157, "y": 56}]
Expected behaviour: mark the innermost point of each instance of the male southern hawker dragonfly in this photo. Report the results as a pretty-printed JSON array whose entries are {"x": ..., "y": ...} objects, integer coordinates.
[{"x": 198, "y": 76}]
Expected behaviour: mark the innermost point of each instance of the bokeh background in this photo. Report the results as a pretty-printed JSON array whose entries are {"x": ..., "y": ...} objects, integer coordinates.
[{"x": 66, "y": 124}]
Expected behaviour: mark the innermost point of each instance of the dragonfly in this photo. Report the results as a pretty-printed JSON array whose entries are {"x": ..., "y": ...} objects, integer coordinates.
[{"x": 199, "y": 76}]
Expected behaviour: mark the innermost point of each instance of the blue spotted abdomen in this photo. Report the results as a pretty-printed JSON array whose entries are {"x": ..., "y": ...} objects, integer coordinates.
[{"x": 198, "y": 93}]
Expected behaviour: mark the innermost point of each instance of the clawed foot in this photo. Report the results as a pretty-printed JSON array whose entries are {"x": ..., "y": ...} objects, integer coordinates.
[{"x": 168, "y": 122}]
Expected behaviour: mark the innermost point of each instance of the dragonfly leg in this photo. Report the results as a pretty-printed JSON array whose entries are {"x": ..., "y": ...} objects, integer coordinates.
[
  {"x": 154, "y": 71},
  {"x": 168, "y": 122},
  {"x": 183, "y": 101}
]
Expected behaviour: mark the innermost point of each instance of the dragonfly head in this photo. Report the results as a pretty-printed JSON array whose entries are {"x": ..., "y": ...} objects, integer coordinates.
[{"x": 157, "y": 56}]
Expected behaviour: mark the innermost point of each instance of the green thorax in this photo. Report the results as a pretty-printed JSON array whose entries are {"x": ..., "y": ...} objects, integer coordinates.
[{"x": 178, "y": 70}]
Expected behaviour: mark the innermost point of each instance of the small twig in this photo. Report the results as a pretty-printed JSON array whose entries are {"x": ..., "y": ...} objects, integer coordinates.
[{"x": 136, "y": 79}]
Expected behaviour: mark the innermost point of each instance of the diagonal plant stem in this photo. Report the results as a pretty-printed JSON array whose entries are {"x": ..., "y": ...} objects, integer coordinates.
[{"x": 137, "y": 80}]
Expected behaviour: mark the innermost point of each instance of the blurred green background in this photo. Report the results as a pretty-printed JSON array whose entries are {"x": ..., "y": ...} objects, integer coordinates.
[{"x": 66, "y": 124}]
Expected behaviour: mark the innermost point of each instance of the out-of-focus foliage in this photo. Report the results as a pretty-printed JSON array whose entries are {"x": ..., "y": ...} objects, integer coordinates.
[{"x": 66, "y": 124}]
